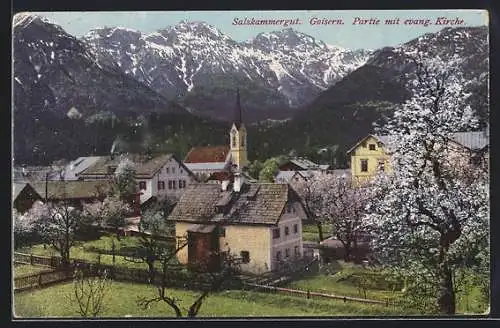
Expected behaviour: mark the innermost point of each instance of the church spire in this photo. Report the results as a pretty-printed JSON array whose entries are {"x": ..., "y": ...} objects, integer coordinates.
[{"x": 237, "y": 110}]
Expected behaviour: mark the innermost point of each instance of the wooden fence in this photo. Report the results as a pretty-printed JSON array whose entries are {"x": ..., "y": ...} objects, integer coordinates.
[
  {"x": 309, "y": 294},
  {"x": 177, "y": 277},
  {"x": 41, "y": 279},
  {"x": 49, "y": 261}
]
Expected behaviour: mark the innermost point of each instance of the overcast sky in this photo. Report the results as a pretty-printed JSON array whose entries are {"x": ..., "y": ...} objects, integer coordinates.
[{"x": 368, "y": 36}]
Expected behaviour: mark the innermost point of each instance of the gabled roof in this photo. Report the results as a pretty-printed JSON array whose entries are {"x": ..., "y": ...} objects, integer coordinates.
[
  {"x": 472, "y": 140},
  {"x": 75, "y": 167},
  {"x": 18, "y": 187},
  {"x": 59, "y": 190},
  {"x": 256, "y": 203},
  {"x": 208, "y": 154},
  {"x": 303, "y": 163},
  {"x": 381, "y": 138},
  {"x": 145, "y": 166}
]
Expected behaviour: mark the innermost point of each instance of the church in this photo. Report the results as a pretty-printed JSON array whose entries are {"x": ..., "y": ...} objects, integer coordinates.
[{"x": 218, "y": 163}]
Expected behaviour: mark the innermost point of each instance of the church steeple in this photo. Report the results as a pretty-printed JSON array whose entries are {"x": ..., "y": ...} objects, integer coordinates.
[
  {"x": 238, "y": 137},
  {"x": 237, "y": 110}
]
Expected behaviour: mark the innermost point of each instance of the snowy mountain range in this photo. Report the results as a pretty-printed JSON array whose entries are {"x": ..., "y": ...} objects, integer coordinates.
[
  {"x": 321, "y": 95},
  {"x": 184, "y": 61}
]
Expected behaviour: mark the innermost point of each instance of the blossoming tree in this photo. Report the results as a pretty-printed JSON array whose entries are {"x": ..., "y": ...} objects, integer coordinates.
[{"x": 431, "y": 212}]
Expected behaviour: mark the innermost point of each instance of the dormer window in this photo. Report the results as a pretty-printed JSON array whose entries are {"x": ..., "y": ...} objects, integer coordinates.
[
  {"x": 233, "y": 138},
  {"x": 371, "y": 147}
]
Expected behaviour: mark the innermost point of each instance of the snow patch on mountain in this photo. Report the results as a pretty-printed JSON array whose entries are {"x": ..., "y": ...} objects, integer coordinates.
[{"x": 176, "y": 58}]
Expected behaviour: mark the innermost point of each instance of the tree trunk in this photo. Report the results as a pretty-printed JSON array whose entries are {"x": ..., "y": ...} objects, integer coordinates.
[
  {"x": 347, "y": 251},
  {"x": 320, "y": 230},
  {"x": 151, "y": 270},
  {"x": 446, "y": 294}
]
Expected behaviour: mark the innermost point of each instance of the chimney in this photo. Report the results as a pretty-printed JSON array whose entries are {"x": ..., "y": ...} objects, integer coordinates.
[
  {"x": 239, "y": 180},
  {"x": 225, "y": 184}
]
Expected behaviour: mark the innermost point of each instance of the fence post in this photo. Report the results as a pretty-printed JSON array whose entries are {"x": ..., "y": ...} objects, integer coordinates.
[
  {"x": 345, "y": 299},
  {"x": 31, "y": 259},
  {"x": 308, "y": 294},
  {"x": 40, "y": 280},
  {"x": 386, "y": 301}
]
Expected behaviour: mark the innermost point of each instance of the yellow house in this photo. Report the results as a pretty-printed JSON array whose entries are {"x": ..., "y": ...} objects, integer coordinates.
[
  {"x": 258, "y": 223},
  {"x": 368, "y": 157}
]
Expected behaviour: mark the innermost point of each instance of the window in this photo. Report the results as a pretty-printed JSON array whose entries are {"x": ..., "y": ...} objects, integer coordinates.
[
  {"x": 169, "y": 184},
  {"x": 379, "y": 144},
  {"x": 173, "y": 170},
  {"x": 295, "y": 228},
  {"x": 287, "y": 252},
  {"x": 245, "y": 256},
  {"x": 180, "y": 184},
  {"x": 142, "y": 185},
  {"x": 242, "y": 141},
  {"x": 278, "y": 256},
  {"x": 381, "y": 165},
  {"x": 371, "y": 147},
  {"x": 222, "y": 232},
  {"x": 182, "y": 171},
  {"x": 233, "y": 140},
  {"x": 174, "y": 184},
  {"x": 276, "y": 233},
  {"x": 364, "y": 165},
  {"x": 363, "y": 144},
  {"x": 297, "y": 251},
  {"x": 167, "y": 170},
  {"x": 161, "y": 185},
  {"x": 183, "y": 183},
  {"x": 288, "y": 208},
  {"x": 286, "y": 231}
]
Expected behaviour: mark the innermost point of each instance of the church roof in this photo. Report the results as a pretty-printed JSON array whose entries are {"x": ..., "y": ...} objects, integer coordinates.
[
  {"x": 209, "y": 154},
  {"x": 238, "y": 119}
]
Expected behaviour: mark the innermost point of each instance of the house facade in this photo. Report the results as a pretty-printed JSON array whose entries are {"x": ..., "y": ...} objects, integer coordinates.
[
  {"x": 160, "y": 176},
  {"x": 368, "y": 157},
  {"x": 259, "y": 223}
]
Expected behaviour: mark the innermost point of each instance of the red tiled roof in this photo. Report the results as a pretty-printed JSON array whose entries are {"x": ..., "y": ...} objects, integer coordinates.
[{"x": 208, "y": 154}]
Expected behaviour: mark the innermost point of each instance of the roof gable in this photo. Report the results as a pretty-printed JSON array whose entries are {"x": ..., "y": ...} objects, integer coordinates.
[
  {"x": 18, "y": 188},
  {"x": 380, "y": 138},
  {"x": 209, "y": 154}
]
